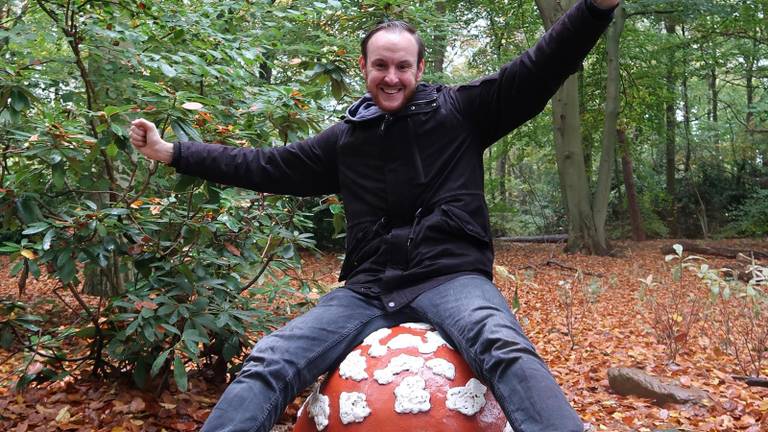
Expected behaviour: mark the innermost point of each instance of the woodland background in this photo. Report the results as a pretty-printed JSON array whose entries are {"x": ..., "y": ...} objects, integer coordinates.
[{"x": 115, "y": 267}]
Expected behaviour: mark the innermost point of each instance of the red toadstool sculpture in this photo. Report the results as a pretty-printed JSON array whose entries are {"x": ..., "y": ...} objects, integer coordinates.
[{"x": 406, "y": 378}]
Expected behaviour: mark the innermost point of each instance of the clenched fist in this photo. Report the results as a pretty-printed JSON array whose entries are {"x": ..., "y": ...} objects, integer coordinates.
[{"x": 145, "y": 137}]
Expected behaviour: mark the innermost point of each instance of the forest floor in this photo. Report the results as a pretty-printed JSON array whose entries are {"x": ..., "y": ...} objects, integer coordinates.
[{"x": 610, "y": 327}]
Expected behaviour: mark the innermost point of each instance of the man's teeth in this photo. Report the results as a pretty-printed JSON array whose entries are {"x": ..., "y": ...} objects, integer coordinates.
[{"x": 391, "y": 91}]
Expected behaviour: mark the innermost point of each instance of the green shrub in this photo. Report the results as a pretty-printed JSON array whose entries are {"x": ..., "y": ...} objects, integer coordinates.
[{"x": 751, "y": 218}]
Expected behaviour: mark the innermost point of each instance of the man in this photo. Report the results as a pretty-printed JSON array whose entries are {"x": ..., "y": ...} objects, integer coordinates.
[{"x": 407, "y": 160}]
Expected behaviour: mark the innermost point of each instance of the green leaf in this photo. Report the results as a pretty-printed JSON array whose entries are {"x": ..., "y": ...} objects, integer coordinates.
[
  {"x": 86, "y": 332},
  {"x": 19, "y": 101},
  {"x": 167, "y": 70},
  {"x": 336, "y": 209},
  {"x": 231, "y": 349},
  {"x": 28, "y": 210},
  {"x": 59, "y": 174},
  {"x": 159, "y": 362},
  {"x": 116, "y": 211},
  {"x": 112, "y": 110},
  {"x": 184, "y": 182},
  {"x": 180, "y": 374},
  {"x": 171, "y": 329},
  {"x": 184, "y": 131},
  {"x": 132, "y": 327},
  {"x": 10, "y": 248},
  {"x": 149, "y": 332},
  {"x": 35, "y": 228},
  {"x": 6, "y": 337},
  {"x": 140, "y": 374},
  {"x": 112, "y": 150}
]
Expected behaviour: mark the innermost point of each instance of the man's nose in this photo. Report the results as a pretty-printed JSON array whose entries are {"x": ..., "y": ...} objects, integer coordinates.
[{"x": 391, "y": 77}]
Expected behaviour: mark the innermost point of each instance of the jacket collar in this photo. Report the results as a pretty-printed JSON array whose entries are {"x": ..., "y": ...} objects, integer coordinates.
[{"x": 424, "y": 99}]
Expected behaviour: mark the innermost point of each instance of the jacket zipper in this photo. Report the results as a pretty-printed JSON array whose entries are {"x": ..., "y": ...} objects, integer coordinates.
[
  {"x": 388, "y": 117},
  {"x": 423, "y": 101},
  {"x": 384, "y": 122}
]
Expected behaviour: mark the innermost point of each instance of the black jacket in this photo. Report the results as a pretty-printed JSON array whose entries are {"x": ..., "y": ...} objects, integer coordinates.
[{"x": 412, "y": 181}]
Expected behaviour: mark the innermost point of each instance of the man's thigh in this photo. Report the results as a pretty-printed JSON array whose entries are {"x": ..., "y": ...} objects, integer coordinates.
[
  {"x": 313, "y": 342},
  {"x": 474, "y": 317}
]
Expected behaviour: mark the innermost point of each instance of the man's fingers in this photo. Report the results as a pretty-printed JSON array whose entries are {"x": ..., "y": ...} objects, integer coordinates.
[
  {"x": 139, "y": 131},
  {"x": 138, "y": 136}
]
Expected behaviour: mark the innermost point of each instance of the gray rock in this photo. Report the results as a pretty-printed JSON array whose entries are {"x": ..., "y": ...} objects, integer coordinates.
[{"x": 630, "y": 381}]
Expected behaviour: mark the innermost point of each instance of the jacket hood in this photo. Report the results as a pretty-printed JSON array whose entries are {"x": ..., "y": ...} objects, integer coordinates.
[{"x": 366, "y": 109}]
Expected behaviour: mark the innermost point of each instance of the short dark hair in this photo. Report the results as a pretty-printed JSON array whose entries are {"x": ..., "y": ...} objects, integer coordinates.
[{"x": 393, "y": 26}]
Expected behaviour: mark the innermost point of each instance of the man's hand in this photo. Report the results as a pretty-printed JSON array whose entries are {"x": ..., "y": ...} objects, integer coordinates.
[
  {"x": 605, "y": 4},
  {"x": 147, "y": 140}
]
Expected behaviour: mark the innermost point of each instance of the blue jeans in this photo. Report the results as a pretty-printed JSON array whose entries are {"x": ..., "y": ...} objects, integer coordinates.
[{"x": 469, "y": 312}]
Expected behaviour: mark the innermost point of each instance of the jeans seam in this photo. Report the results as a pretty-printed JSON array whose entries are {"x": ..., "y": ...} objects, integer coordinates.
[{"x": 303, "y": 365}]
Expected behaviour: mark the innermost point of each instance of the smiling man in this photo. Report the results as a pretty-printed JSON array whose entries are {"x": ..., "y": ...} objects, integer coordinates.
[
  {"x": 407, "y": 160},
  {"x": 392, "y": 64}
]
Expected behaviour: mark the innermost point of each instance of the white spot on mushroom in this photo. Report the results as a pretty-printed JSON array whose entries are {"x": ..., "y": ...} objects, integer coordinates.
[
  {"x": 374, "y": 340},
  {"x": 434, "y": 341},
  {"x": 442, "y": 367},
  {"x": 401, "y": 363},
  {"x": 417, "y": 325},
  {"x": 319, "y": 409},
  {"x": 353, "y": 367},
  {"x": 405, "y": 340},
  {"x": 508, "y": 428},
  {"x": 411, "y": 396},
  {"x": 353, "y": 407},
  {"x": 468, "y": 400}
]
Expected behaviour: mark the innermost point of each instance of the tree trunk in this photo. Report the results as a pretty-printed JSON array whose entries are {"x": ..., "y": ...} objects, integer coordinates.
[
  {"x": 671, "y": 125},
  {"x": 750, "y": 75},
  {"x": 603, "y": 192},
  {"x": 635, "y": 220},
  {"x": 501, "y": 175},
  {"x": 686, "y": 114},
  {"x": 714, "y": 94},
  {"x": 586, "y": 137},
  {"x": 439, "y": 43},
  {"x": 582, "y": 233}
]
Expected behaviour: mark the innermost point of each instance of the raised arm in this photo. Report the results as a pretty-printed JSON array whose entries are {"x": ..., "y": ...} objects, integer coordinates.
[
  {"x": 499, "y": 103},
  {"x": 303, "y": 168}
]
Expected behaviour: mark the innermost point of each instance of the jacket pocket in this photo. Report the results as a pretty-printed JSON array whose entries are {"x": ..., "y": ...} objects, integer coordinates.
[
  {"x": 461, "y": 222},
  {"x": 362, "y": 246}
]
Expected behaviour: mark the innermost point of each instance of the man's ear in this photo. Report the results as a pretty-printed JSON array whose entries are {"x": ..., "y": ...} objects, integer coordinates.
[
  {"x": 420, "y": 70},
  {"x": 361, "y": 61}
]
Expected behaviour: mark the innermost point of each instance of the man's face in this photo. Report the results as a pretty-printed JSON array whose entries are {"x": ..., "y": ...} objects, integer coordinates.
[{"x": 392, "y": 70}]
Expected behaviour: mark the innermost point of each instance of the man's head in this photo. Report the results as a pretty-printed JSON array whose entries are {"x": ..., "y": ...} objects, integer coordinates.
[{"x": 392, "y": 62}]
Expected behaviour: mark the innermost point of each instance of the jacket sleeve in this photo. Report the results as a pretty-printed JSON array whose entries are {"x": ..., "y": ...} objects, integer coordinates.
[
  {"x": 499, "y": 103},
  {"x": 303, "y": 168}
]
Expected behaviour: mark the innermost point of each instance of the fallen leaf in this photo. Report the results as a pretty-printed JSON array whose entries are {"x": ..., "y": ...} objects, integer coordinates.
[
  {"x": 232, "y": 249},
  {"x": 184, "y": 426},
  {"x": 63, "y": 416},
  {"x": 138, "y": 404}
]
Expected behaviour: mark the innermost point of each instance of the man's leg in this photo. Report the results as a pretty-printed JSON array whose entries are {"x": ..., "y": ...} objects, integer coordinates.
[
  {"x": 285, "y": 362},
  {"x": 471, "y": 313}
]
